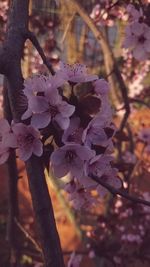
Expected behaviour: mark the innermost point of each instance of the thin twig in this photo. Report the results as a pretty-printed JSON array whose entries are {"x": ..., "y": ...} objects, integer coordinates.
[
  {"x": 30, "y": 35},
  {"x": 67, "y": 28},
  {"x": 137, "y": 100},
  {"x": 28, "y": 236},
  {"x": 121, "y": 193}
]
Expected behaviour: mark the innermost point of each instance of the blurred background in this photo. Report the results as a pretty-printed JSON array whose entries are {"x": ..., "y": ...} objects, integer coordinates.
[{"x": 116, "y": 232}]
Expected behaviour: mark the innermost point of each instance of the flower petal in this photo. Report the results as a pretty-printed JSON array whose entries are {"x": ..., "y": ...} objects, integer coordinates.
[{"x": 40, "y": 120}]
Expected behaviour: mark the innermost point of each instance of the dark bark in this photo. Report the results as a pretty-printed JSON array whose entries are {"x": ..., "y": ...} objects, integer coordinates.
[
  {"x": 44, "y": 213},
  {"x": 10, "y": 65},
  {"x": 13, "y": 208}
]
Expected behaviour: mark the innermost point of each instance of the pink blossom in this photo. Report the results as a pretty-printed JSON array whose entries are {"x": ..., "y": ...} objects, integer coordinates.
[
  {"x": 129, "y": 157},
  {"x": 134, "y": 13},
  {"x": 4, "y": 154},
  {"x": 76, "y": 73},
  {"x": 112, "y": 179},
  {"x": 5, "y": 134},
  {"x": 27, "y": 141},
  {"x": 70, "y": 159},
  {"x": 138, "y": 39},
  {"x": 101, "y": 16},
  {"x": 40, "y": 85},
  {"x": 74, "y": 260},
  {"x": 101, "y": 87},
  {"x": 6, "y": 137},
  {"x": 95, "y": 132},
  {"x": 74, "y": 132},
  {"x": 81, "y": 199},
  {"x": 50, "y": 108},
  {"x": 91, "y": 254},
  {"x": 144, "y": 135},
  {"x": 100, "y": 166},
  {"x": 146, "y": 2}
]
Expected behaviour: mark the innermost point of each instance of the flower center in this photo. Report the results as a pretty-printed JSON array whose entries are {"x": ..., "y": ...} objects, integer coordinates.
[
  {"x": 70, "y": 155},
  {"x": 142, "y": 39},
  {"x": 75, "y": 136},
  {"x": 53, "y": 111},
  {"x": 25, "y": 140}
]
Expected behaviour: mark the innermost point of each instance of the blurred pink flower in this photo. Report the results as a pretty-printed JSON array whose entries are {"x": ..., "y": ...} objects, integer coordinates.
[
  {"x": 144, "y": 135},
  {"x": 74, "y": 260},
  {"x": 138, "y": 39},
  {"x": 70, "y": 159},
  {"x": 134, "y": 13},
  {"x": 81, "y": 199},
  {"x": 129, "y": 157}
]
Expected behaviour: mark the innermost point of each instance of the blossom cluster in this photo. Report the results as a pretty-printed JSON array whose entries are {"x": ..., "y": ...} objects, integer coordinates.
[
  {"x": 80, "y": 127},
  {"x": 137, "y": 34},
  {"x": 134, "y": 74},
  {"x": 127, "y": 231}
]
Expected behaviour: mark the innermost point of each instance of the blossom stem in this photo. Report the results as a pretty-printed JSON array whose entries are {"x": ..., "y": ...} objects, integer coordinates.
[{"x": 119, "y": 192}]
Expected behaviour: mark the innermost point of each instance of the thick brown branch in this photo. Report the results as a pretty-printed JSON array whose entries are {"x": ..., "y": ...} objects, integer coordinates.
[{"x": 44, "y": 213}]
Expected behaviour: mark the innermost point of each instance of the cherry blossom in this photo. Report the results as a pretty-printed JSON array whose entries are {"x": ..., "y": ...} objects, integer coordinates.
[
  {"x": 40, "y": 83},
  {"x": 27, "y": 141},
  {"x": 129, "y": 157},
  {"x": 74, "y": 132},
  {"x": 138, "y": 39},
  {"x": 49, "y": 108},
  {"x": 95, "y": 132},
  {"x": 70, "y": 158},
  {"x": 74, "y": 260},
  {"x": 37, "y": 86},
  {"x": 4, "y": 154},
  {"x": 101, "y": 86},
  {"x": 81, "y": 199},
  {"x": 134, "y": 13},
  {"x": 144, "y": 136},
  {"x": 5, "y": 134},
  {"x": 100, "y": 166},
  {"x": 76, "y": 73}
]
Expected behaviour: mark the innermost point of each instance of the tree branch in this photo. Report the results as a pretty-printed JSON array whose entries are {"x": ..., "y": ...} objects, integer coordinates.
[
  {"x": 43, "y": 209},
  {"x": 110, "y": 63},
  {"x": 121, "y": 193},
  {"x": 30, "y": 35},
  {"x": 13, "y": 47}
]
